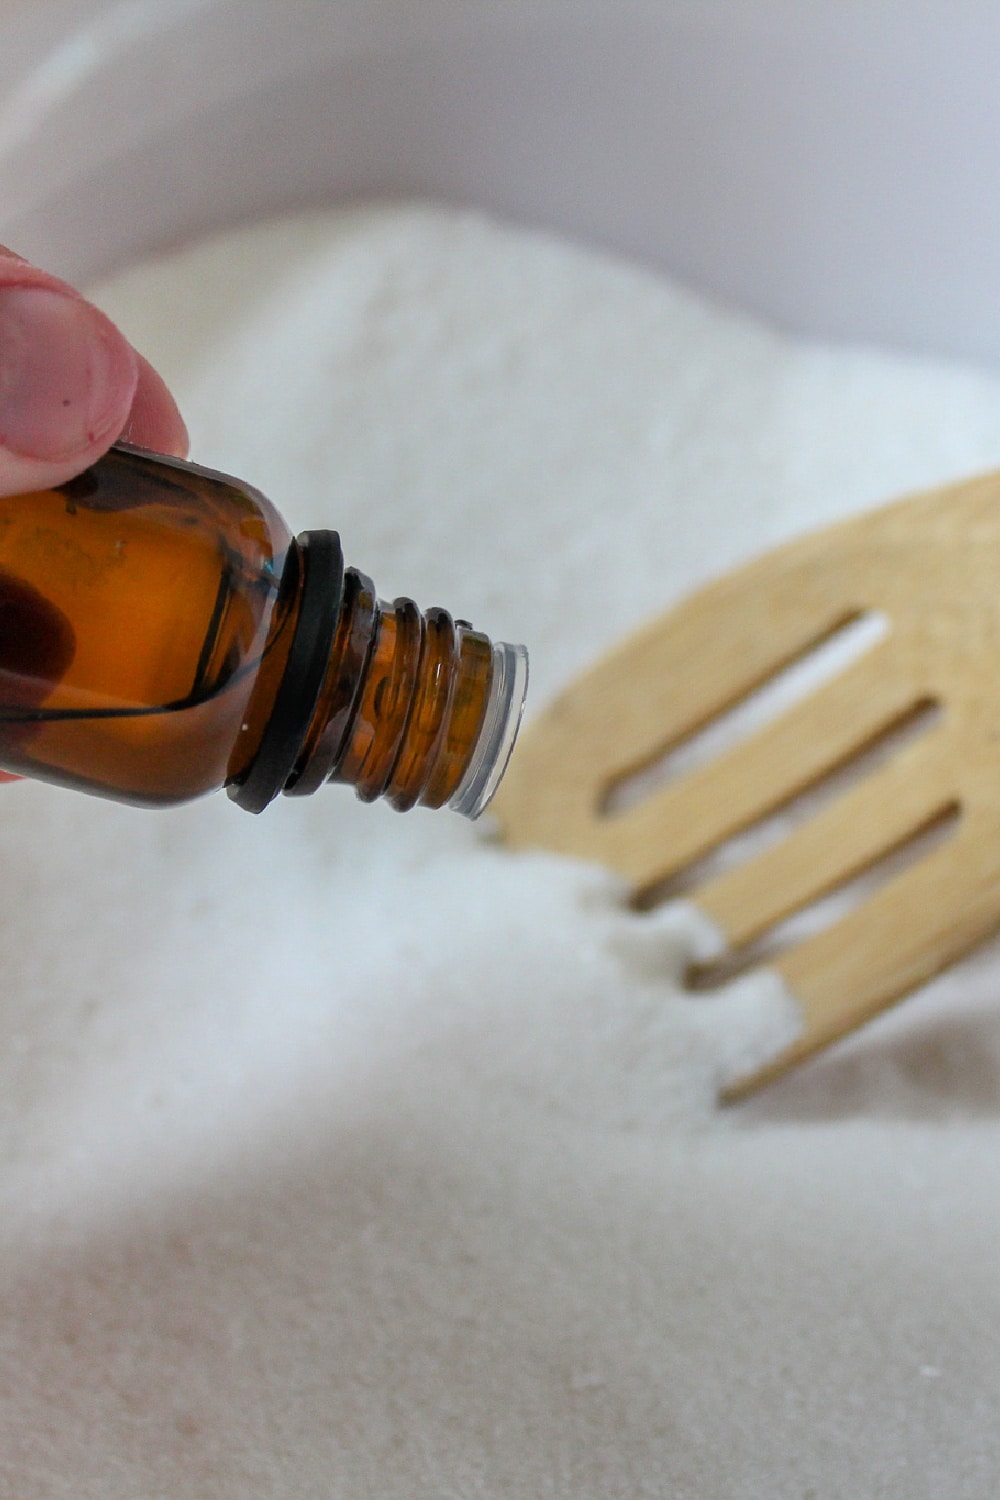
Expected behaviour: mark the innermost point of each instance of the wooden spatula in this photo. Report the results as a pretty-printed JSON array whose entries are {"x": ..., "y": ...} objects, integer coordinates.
[{"x": 930, "y": 565}]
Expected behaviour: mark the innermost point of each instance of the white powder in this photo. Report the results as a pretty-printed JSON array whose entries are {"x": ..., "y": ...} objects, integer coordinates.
[{"x": 346, "y": 1154}]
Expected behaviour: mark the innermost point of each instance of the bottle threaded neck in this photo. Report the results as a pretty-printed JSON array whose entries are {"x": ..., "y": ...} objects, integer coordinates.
[{"x": 414, "y": 707}]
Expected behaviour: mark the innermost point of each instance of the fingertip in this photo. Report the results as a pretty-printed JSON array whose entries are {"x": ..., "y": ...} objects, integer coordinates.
[
  {"x": 68, "y": 379},
  {"x": 70, "y": 384}
]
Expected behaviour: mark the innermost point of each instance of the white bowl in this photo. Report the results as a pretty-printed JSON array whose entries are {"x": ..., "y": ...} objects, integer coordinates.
[{"x": 833, "y": 164}]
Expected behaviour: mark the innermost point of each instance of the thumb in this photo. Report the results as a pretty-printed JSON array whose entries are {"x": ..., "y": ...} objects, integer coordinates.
[{"x": 67, "y": 379}]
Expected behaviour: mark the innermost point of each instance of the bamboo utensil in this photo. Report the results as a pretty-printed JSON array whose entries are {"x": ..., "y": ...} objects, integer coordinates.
[{"x": 929, "y": 564}]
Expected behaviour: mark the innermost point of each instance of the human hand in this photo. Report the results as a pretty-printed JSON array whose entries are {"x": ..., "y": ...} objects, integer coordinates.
[{"x": 70, "y": 385}]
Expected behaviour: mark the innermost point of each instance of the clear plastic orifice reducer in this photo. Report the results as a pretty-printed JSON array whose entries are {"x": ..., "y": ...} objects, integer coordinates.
[{"x": 162, "y": 634}]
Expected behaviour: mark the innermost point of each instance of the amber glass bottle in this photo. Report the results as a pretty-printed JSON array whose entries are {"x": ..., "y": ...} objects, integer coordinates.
[{"x": 162, "y": 635}]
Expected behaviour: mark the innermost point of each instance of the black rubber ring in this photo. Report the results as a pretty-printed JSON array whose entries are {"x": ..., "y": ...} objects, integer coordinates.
[{"x": 322, "y": 593}]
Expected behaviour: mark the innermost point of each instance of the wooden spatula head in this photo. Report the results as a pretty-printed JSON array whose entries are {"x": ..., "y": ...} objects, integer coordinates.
[{"x": 930, "y": 566}]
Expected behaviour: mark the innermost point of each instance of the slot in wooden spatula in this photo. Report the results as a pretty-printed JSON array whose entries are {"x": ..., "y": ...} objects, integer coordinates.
[{"x": 930, "y": 565}]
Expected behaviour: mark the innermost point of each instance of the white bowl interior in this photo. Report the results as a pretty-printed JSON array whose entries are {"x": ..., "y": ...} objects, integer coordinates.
[{"x": 831, "y": 165}]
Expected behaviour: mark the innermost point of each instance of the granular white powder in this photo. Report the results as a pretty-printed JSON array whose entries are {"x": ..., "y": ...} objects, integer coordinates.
[{"x": 346, "y": 1154}]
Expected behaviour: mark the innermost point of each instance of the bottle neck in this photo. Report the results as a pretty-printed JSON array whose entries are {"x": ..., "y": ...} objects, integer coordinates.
[{"x": 414, "y": 707}]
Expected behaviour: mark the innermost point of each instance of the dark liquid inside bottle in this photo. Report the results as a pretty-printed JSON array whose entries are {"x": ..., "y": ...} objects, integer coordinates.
[{"x": 156, "y": 621}]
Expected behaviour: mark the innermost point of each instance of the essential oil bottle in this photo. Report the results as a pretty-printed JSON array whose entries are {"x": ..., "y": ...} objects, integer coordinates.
[{"x": 162, "y": 635}]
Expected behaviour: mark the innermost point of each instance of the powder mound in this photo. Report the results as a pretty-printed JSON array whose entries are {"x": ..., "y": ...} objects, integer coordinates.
[{"x": 344, "y": 1152}]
